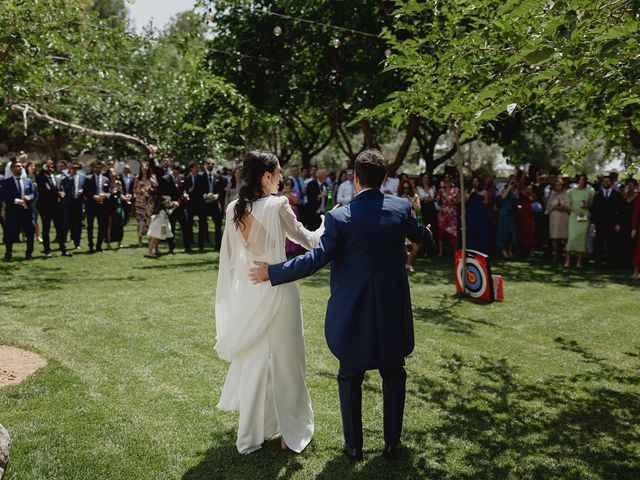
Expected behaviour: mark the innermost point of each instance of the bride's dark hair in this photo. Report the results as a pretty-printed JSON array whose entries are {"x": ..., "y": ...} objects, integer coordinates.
[{"x": 253, "y": 168}]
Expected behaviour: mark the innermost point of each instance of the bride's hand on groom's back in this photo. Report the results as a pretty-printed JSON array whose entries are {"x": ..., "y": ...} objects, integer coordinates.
[{"x": 259, "y": 273}]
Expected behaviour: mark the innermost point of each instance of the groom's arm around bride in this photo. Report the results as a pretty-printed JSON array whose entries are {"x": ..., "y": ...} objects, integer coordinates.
[{"x": 369, "y": 323}]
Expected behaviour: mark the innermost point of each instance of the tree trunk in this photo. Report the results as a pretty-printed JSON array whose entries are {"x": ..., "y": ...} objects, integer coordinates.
[
  {"x": 370, "y": 139},
  {"x": 634, "y": 136},
  {"x": 463, "y": 208},
  {"x": 305, "y": 159},
  {"x": 406, "y": 144}
]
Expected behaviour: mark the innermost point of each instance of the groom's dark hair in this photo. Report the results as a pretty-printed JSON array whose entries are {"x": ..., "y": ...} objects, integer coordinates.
[{"x": 371, "y": 168}]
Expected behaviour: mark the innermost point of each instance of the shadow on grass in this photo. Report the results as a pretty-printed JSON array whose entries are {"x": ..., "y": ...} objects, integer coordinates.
[
  {"x": 440, "y": 272},
  {"x": 374, "y": 466},
  {"x": 203, "y": 264},
  {"x": 224, "y": 461},
  {"x": 493, "y": 425},
  {"x": 445, "y": 316}
]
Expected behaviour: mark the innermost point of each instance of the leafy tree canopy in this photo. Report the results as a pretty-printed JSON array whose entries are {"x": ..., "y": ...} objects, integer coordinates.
[{"x": 474, "y": 62}]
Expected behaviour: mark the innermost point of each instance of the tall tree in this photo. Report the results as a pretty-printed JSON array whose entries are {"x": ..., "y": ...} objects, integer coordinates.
[
  {"x": 64, "y": 67},
  {"x": 471, "y": 62},
  {"x": 291, "y": 63},
  {"x": 111, "y": 9}
]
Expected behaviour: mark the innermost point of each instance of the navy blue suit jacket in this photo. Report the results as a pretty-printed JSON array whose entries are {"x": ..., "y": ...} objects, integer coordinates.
[
  {"x": 10, "y": 192},
  {"x": 68, "y": 185},
  {"x": 192, "y": 188},
  {"x": 369, "y": 322},
  {"x": 90, "y": 189}
]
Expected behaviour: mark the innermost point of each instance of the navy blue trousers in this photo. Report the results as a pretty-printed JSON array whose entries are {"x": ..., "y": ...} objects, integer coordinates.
[
  {"x": 350, "y": 390},
  {"x": 18, "y": 217}
]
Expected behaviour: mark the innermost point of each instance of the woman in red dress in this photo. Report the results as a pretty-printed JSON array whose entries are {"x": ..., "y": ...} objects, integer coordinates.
[{"x": 526, "y": 221}]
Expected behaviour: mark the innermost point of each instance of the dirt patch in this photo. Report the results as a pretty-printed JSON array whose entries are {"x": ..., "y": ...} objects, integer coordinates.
[{"x": 17, "y": 364}]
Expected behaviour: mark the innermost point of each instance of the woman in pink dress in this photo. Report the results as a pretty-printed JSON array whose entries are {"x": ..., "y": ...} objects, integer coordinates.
[
  {"x": 449, "y": 199},
  {"x": 291, "y": 248}
]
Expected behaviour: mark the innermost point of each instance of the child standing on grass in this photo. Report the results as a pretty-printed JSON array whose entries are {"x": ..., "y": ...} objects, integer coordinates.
[{"x": 159, "y": 228}]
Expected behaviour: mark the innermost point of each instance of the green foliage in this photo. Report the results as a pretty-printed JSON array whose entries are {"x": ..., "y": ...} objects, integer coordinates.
[
  {"x": 300, "y": 76},
  {"x": 111, "y": 9},
  {"x": 61, "y": 57},
  {"x": 475, "y": 62}
]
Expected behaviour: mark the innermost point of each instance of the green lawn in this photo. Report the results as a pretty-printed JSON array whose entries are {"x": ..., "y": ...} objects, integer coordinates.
[{"x": 544, "y": 385}]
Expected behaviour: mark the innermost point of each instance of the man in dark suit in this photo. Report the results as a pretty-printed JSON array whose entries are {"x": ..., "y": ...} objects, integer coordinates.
[
  {"x": 73, "y": 188},
  {"x": 606, "y": 213},
  {"x": 317, "y": 192},
  {"x": 369, "y": 322},
  {"x": 128, "y": 180},
  {"x": 173, "y": 186},
  {"x": 17, "y": 194},
  {"x": 162, "y": 168},
  {"x": 212, "y": 190},
  {"x": 194, "y": 204},
  {"x": 49, "y": 207},
  {"x": 96, "y": 192}
]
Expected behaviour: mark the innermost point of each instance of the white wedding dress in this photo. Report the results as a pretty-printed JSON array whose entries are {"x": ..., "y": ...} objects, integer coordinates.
[{"x": 259, "y": 330}]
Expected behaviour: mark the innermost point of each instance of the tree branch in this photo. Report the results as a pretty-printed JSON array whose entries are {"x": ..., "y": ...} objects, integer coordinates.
[
  {"x": 309, "y": 130},
  {"x": 292, "y": 128},
  {"x": 347, "y": 148},
  {"x": 324, "y": 144},
  {"x": 450, "y": 153},
  {"x": 27, "y": 110},
  {"x": 370, "y": 139},
  {"x": 406, "y": 144}
]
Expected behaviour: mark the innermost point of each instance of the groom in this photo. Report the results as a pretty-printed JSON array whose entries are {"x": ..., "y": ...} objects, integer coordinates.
[{"x": 369, "y": 323}]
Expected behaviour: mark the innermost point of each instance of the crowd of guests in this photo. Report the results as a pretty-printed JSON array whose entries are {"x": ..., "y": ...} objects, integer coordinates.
[
  {"x": 562, "y": 217},
  {"x": 565, "y": 218},
  {"x": 54, "y": 203}
]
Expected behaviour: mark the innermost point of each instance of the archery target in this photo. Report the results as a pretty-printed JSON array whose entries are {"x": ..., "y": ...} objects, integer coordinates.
[
  {"x": 476, "y": 281},
  {"x": 477, "y": 278}
]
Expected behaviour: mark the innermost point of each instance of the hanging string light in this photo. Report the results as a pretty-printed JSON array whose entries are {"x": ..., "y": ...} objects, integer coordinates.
[
  {"x": 300, "y": 19},
  {"x": 131, "y": 2},
  {"x": 335, "y": 42}
]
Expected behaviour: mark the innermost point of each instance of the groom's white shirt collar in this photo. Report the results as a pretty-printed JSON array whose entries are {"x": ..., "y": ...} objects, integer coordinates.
[{"x": 363, "y": 190}]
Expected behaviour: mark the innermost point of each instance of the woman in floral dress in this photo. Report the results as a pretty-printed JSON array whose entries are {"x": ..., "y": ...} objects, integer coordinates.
[
  {"x": 144, "y": 190},
  {"x": 449, "y": 199}
]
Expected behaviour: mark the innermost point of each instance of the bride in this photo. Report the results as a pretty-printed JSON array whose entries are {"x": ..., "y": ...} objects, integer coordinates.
[{"x": 259, "y": 327}]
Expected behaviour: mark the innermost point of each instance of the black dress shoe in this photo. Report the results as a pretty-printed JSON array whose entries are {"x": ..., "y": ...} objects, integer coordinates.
[
  {"x": 392, "y": 452},
  {"x": 7, "y": 258},
  {"x": 354, "y": 453},
  {"x": 28, "y": 257}
]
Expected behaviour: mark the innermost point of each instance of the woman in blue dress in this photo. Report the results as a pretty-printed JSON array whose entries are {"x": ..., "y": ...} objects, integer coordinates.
[
  {"x": 506, "y": 234},
  {"x": 477, "y": 226}
]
